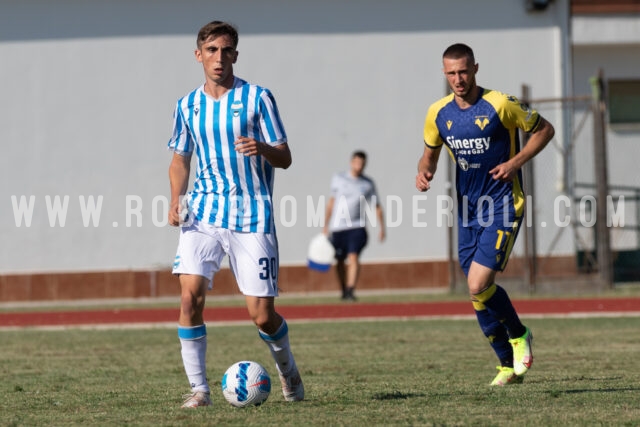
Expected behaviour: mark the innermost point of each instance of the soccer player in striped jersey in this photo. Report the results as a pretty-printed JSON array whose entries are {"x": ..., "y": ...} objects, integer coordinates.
[
  {"x": 235, "y": 130},
  {"x": 479, "y": 128}
]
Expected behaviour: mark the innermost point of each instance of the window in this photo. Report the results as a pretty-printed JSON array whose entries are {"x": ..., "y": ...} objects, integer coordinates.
[{"x": 624, "y": 102}]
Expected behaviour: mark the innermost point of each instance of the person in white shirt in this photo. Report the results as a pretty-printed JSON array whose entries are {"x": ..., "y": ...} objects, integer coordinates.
[{"x": 352, "y": 193}]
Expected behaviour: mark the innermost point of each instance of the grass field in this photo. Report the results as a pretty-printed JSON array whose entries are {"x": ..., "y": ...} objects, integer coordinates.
[{"x": 415, "y": 372}]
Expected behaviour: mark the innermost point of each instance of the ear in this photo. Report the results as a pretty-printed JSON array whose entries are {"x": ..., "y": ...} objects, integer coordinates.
[
  {"x": 475, "y": 68},
  {"x": 198, "y": 54},
  {"x": 235, "y": 57}
]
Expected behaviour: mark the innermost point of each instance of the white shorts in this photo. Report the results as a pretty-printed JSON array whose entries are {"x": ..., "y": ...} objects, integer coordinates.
[{"x": 253, "y": 257}]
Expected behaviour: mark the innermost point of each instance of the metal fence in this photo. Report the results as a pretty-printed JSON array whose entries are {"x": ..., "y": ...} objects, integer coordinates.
[{"x": 604, "y": 218}]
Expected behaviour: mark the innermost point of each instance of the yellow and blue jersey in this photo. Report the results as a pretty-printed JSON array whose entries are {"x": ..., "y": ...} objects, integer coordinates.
[{"x": 478, "y": 139}]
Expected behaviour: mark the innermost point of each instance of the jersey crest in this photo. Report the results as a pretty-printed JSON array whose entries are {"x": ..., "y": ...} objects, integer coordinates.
[{"x": 482, "y": 122}]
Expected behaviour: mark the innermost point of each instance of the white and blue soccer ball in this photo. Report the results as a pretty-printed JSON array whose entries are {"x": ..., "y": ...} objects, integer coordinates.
[{"x": 246, "y": 383}]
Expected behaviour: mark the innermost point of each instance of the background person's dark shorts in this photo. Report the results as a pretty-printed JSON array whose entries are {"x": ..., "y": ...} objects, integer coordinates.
[{"x": 349, "y": 241}]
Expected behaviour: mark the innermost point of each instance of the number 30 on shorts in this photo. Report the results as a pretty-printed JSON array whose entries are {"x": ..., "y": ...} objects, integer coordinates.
[{"x": 269, "y": 268}]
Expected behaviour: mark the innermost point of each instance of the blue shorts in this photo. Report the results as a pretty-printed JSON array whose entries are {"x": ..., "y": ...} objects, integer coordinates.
[
  {"x": 350, "y": 241},
  {"x": 489, "y": 246}
]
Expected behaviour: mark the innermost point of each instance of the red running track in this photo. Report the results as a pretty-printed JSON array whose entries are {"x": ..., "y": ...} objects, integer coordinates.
[{"x": 326, "y": 311}]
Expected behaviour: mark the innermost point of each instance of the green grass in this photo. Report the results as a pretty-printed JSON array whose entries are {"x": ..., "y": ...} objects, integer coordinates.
[{"x": 418, "y": 372}]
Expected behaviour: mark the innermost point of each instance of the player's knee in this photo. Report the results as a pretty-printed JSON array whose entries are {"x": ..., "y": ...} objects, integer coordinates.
[{"x": 481, "y": 292}]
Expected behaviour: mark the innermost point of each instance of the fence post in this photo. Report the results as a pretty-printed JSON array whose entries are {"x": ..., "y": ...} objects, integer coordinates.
[
  {"x": 529, "y": 231},
  {"x": 603, "y": 241}
]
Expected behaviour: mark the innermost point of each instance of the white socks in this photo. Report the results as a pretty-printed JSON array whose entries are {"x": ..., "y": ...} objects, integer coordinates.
[
  {"x": 279, "y": 345},
  {"x": 194, "y": 351}
]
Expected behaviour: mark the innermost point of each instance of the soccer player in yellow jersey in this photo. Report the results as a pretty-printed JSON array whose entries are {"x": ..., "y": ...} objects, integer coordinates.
[{"x": 480, "y": 129}]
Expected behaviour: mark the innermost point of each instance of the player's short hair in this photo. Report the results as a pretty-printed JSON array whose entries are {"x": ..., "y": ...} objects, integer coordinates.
[
  {"x": 459, "y": 50},
  {"x": 359, "y": 153},
  {"x": 216, "y": 29}
]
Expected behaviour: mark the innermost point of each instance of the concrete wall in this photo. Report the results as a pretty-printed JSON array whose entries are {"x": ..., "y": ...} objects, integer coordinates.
[{"x": 88, "y": 90}]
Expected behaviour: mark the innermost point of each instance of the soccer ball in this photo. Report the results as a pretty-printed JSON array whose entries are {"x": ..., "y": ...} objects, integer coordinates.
[{"x": 246, "y": 383}]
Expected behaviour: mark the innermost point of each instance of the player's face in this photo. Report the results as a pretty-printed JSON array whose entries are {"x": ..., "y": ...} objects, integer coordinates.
[
  {"x": 217, "y": 56},
  {"x": 461, "y": 75},
  {"x": 357, "y": 166}
]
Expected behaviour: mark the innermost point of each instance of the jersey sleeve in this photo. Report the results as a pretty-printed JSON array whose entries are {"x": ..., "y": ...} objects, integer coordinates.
[
  {"x": 373, "y": 193},
  {"x": 514, "y": 113},
  {"x": 431, "y": 133},
  {"x": 271, "y": 126},
  {"x": 181, "y": 141},
  {"x": 335, "y": 185}
]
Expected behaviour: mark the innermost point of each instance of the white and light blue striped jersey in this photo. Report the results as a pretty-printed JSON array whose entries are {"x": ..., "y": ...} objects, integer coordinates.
[{"x": 230, "y": 190}]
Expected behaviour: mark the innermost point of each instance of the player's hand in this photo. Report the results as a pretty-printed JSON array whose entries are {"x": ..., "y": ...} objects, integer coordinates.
[
  {"x": 503, "y": 172},
  {"x": 179, "y": 212},
  {"x": 248, "y": 146},
  {"x": 174, "y": 213},
  {"x": 423, "y": 181}
]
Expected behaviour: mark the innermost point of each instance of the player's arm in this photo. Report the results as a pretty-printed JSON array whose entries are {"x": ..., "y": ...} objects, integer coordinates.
[
  {"x": 327, "y": 215},
  {"x": 539, "y": 139},
  {"x": 178, "y": 180},
  {"x": 381, "y": 225},
  {"x": 428, "y": 163},
  {"x": 278, "y": 156},
  {"x": 427, "y": 167}
]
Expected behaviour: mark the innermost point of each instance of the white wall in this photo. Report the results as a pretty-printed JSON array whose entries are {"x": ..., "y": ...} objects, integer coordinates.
[{"x": 89, "y": 87}]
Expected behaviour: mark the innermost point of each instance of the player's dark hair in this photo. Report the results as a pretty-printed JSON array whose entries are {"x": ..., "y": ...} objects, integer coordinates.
[
  {"x": 459, "y": 50},
  {"x": 216, "y": 29},
  {"x": 359, "y": 153}
]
